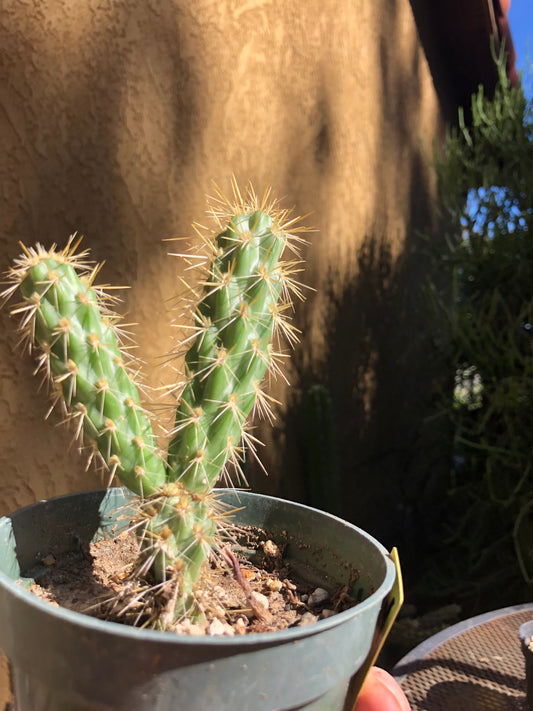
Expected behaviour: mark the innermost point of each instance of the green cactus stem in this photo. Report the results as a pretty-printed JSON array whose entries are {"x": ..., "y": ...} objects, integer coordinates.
[
  {"x": 321, "y": 450},
  {"x": 79, "y": 342},
  {"x": 239, "y": 320},
  {"x": 231, "y": 353}
]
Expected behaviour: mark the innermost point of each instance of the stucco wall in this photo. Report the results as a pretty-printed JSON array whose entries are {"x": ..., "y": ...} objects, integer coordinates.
[{"x": 115, "y": 116}]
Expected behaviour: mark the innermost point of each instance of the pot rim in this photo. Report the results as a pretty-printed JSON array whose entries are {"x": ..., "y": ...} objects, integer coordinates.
[{"x": 291, "y": 634}]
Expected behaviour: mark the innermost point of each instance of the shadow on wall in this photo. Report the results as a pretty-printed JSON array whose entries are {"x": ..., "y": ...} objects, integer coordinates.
[
  {"x": 355, "y": 438},
  {"x": 367, "y": 446},
  {"x": 428, "y": 18}
]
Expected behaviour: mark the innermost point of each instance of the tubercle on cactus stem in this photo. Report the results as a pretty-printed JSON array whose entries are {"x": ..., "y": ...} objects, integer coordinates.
[{"x": 239, "y": 319}]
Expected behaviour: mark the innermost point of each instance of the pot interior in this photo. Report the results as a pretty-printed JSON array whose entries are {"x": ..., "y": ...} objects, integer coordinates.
[{"x": 320, "y": 548}]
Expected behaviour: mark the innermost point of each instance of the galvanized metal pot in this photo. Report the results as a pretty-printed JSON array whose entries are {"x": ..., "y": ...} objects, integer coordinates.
[{"x": 66, "y": 661}]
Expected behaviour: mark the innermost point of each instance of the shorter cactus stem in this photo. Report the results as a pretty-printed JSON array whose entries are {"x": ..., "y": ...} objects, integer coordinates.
[
  {"x": 321, "y": 451},
  {"x": 81, "y": 354}
]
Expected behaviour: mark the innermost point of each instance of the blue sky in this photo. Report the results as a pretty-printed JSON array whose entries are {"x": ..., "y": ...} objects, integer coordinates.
[{"x": 521, "y": 21}]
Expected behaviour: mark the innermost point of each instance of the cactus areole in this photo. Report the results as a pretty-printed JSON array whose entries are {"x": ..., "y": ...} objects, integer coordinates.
[{"x": 239, "y": 316}]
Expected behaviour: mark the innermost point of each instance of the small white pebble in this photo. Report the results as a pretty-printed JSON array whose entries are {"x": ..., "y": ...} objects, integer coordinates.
[
  {"x": 327, "y": 613},
  {"x": 187, "y": 627},
  {"x": 217, "y": 628},
  {"x": 307, "y": 619},
  {"x": 259, "y": 601},
  {"x": 240, "y": 626},
  {"x": 271, "y": 549},
  {"x": 318, "y": 596},
  {"x": 274, "y": 585},
  {"x": 197, "y": 630}
]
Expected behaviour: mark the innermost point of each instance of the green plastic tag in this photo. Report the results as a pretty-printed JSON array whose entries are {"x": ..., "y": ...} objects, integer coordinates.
[{"x": 389, "y": 611}]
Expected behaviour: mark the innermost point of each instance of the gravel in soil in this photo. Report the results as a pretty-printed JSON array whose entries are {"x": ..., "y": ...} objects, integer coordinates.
[{"x": 238, "y": 596}]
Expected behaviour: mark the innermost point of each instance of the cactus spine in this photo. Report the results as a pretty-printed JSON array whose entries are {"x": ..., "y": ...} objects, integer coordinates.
[{"x": 240, "y": 310}]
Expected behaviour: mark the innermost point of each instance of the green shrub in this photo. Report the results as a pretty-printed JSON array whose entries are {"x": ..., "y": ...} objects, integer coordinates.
[{"x": 486, "y": 321}]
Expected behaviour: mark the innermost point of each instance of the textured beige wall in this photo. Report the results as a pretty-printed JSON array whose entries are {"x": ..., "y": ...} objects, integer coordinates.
[{"x": 116, "y": 115}]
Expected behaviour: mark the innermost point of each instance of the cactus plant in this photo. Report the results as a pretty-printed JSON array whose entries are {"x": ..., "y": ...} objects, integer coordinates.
[
  {"x": 239, "y": 316},
  {"x": 320, "y": 450}
]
